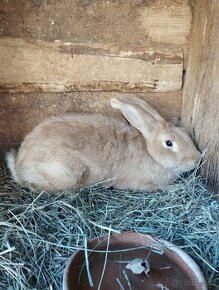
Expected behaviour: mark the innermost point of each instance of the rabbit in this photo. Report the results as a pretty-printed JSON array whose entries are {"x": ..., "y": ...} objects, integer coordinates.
[{"x": 136, "y": 151}]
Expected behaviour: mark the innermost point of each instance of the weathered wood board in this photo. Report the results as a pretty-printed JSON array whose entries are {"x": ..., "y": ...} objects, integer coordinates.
[
  {"x": 123, "y": 22},
  {"x": 57, "y": 67},
  {"x": 160, "y": 27},
  {"x": 19, "y": 113},
  {"x": 200, "y": 114}
]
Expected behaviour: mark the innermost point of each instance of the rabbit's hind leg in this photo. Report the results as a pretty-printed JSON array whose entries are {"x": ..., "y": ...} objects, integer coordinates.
[{"x": 55, "y": 176}]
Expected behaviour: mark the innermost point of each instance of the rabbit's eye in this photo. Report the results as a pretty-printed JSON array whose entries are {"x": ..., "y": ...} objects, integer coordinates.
[{"x": 169, "y": 143}]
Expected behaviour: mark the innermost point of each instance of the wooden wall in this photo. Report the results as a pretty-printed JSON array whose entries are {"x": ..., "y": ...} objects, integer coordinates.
[
  {"x": 59, "y": 56},
  {"x": 200, "y": 114}
]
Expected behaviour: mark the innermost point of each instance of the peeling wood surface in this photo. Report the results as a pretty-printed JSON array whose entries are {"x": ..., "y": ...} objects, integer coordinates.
[
  {"x": 56, "y": 67},
  {"x": 200, "y": 112},
  {"x": 19, "y": 113},
  {"x": 122, "y": 22}
]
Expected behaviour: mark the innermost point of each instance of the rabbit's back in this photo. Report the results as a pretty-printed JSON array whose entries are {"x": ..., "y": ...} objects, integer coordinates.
[{"x": 69, "y": 133}]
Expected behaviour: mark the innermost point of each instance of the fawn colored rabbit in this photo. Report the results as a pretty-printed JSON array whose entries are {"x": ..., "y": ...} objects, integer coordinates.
[{"x": 139, "y": 151}]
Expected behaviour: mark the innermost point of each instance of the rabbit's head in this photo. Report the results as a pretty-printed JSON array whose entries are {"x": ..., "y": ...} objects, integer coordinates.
[{"x": 168, "y": 145}]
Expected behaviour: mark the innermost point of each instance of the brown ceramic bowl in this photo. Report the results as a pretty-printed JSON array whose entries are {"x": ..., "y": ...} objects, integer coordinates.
[{"x": 173, "y": 269}]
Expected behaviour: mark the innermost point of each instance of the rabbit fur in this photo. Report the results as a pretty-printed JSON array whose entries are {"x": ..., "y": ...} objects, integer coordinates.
[{"x": 130, "y": 152}]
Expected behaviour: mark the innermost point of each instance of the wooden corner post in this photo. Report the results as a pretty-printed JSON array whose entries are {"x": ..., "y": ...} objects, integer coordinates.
[{"x": 200, "y": 113}]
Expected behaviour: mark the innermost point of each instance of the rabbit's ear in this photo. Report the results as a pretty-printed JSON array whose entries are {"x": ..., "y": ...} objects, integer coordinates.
[
  {"x": 135, "y": 114},
  {"x": 138, "y": 102}
]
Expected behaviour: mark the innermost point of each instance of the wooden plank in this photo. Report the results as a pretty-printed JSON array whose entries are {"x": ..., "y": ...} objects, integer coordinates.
[
  {"x": 146, "y": 23},
  {"x": 167, "y": 21},
  {"x": 200, "y": 112},
  {"x": 58, "y": 67},
  {"x": 19, "y": 113}
]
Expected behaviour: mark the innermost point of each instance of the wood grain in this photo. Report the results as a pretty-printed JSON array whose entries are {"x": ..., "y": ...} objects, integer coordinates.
[
  {"x": 200, "y": 112},
  {"x": 141, "y": 22},
  {"x": 167, "y": 21},
  {"x": 19, "y": 113},
  {"x": 58, "y": 67}
]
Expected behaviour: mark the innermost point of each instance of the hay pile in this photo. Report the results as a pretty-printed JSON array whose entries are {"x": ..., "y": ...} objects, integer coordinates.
[{"x": 38, "y": 232}]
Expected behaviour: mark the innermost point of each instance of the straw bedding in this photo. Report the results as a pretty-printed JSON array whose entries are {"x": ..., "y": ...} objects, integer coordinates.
[{"x": 39, "y": 231}]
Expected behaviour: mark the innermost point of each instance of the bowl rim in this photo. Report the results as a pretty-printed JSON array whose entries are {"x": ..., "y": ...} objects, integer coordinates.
[{"x": 177, "y": 252}]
